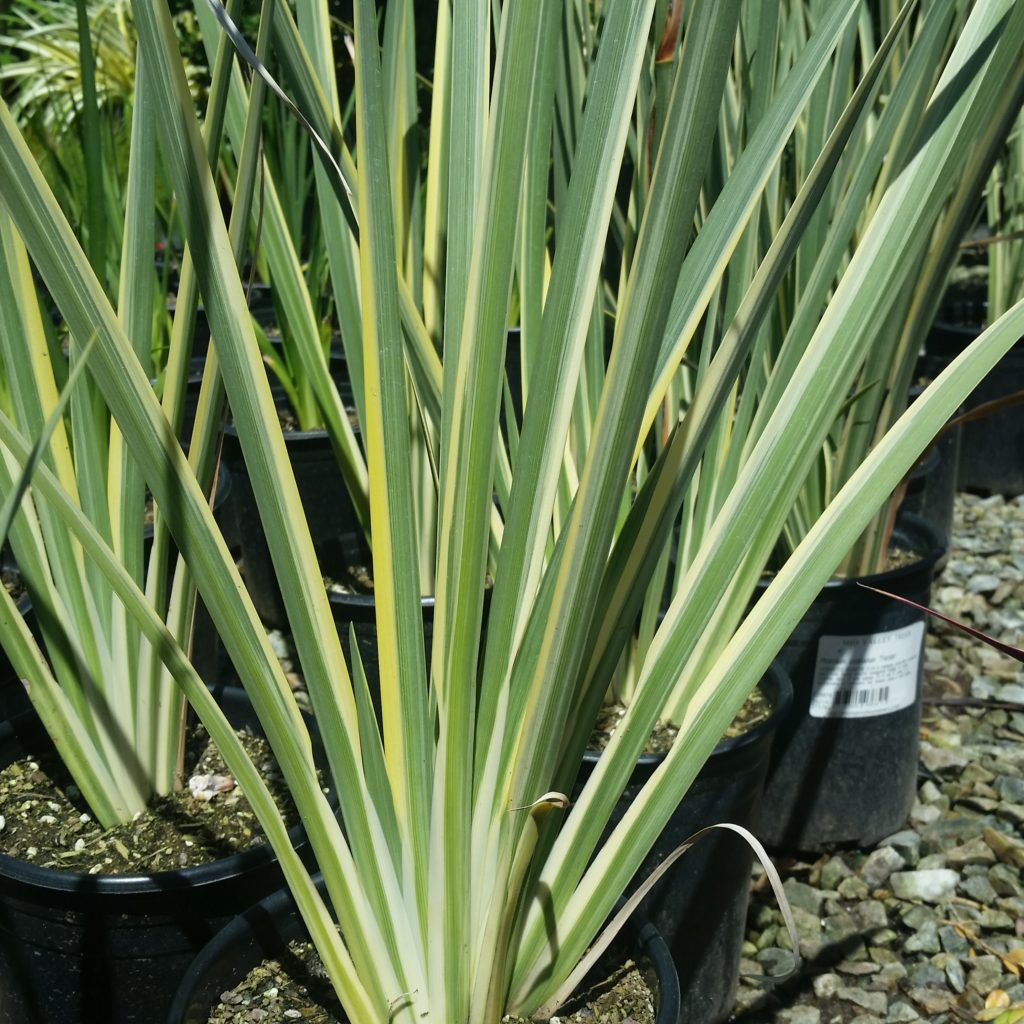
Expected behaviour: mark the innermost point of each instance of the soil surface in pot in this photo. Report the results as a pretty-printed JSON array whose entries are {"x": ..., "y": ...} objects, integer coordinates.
[
  {"x": 357, "y": 580},
  {"x": 11, "y": 582},
  {"x": 45, "y": 821},
  {"x": 755, "y": 710},
  {"x": 295, "y": 987}
]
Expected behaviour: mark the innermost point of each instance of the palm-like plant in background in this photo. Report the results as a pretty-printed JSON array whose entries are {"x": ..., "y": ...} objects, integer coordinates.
[{"x": 454, "y": 893}]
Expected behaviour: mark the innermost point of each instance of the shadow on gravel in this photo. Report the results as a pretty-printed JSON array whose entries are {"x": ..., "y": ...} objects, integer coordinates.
[{"x": 785, "y": 993}]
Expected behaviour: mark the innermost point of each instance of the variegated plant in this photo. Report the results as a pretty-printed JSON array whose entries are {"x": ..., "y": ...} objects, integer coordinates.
[{"x": 460, "y": 887}]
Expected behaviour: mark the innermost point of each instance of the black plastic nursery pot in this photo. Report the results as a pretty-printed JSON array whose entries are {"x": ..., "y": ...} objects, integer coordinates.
[
  {"x": 13, "y": 696},
  {"x": 338, "y": 538},
  {"x": 358, "y": 613},
  {"x": 205, "y": 651},
  {"x": 992, "y": 450},
  {"x": 844, "y": 765},
  {"x": 931, "y": 486},
  {"x": 263, "y": 931},
  {"x": 700, "y": 905},
  {"x": 111, "y": 949}
]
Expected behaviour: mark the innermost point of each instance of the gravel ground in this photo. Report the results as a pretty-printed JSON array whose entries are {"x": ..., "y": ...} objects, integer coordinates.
[{"x": 930, "y": 923}]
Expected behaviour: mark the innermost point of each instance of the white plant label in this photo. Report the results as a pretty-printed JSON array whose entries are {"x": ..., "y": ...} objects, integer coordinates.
[{"x": 862, "y": 676}]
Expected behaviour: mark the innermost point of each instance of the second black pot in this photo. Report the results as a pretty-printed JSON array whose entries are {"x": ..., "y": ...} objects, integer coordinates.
[
  {"x": 13, "y": 696},
  {"x": 992, "y": 452},
  {"x": 844, "y": 766},
  {"x": 338, "y": 538},
  {"x": 263, "y": 931},
  {"x": 700, "y": 906}
]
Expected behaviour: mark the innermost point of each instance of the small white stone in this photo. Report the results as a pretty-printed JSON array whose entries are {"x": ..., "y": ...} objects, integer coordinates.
[
  {"x": 31, "y": 851},
  {"x": 278, "y": 644},
  {"x": 3, "y": 821},
  {"x": 206, "y": 787},
  {"x": 47, "y": 819},
  {"x": 932, "y": 886},
  {"x": 84, "y": 818},
  {"x": 79, "y": 845}
]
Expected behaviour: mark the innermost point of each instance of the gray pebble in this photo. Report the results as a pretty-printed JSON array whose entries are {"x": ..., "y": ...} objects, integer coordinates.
[
  {"x": 1012, "y": 905},
  {"x": 839, "y": 927},
  {"x": 1010, "y": 789},
  {"x": 853, "y": 888},
  {"x": 926, "y": 975},
  {"x": 879, "y": 865},
  {"x": 882, "y": 956},
  {"x": 978, "y": 888},
  {"x": 983, "y": 583},
  {"x": 932, "y": 1001},
  {"x": 900, "y": 1012},
  {"x": 983, "y": 688},
  {"x": 1013, "y": 813},
  {"x": 858, "y": 968},
  {"x": 826, "y": 985},
  {"x": 995, "y": 919},
  {"x": 870, "y": 914},
  {"x": 808, "y": 930},
  {"x": 984, "y": 973},
  {"x": 749, "y": 967},
  {"x": 834, "y": 871},
  {"x": 924, "y": 814},
  {"x": 889, "y": 977},
  {"x": 952, "y": 941},
  {"x": 804, "y": 896},
  {"x": 942, "y": 761},
  {"x": 1005, "y": 880},
  {"x": 924, "y": 940},
  {"x": 950, "y": 965},
  {"x": 876, "y": 1002},
  {"x": 916, "y": 917},
  {"x": 974, "y": 851},
  {"x": 975, "y": 773},
  {"x": 799, "y": 1015}
]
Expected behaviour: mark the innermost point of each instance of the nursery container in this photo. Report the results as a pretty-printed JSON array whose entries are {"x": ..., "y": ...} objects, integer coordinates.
[
  {"x": 700, "y": 906},
  {"x": 13, "y": 698},
  {"x": 932, "y": 484},
  {"x": 77, "y": 948},
  {"x": 262, "y": 932},
  {"x": 338, "y": 538},
  {"x": 844, "y": 764},
  {"x": 992, "y": 450}
]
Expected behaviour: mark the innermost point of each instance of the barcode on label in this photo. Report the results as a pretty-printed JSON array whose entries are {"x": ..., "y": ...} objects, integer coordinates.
[
  {"x": 860, "y": 698},
  {"x": 865, "y": 675}
]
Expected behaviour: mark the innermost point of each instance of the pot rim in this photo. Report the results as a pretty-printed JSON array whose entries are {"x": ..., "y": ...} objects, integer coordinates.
[
  {"x": 930, "y": 552},
  {"x": 19, "y": 873},
  {"x": 779, "y": 692},
  {"x": 268, "y": 921}
]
